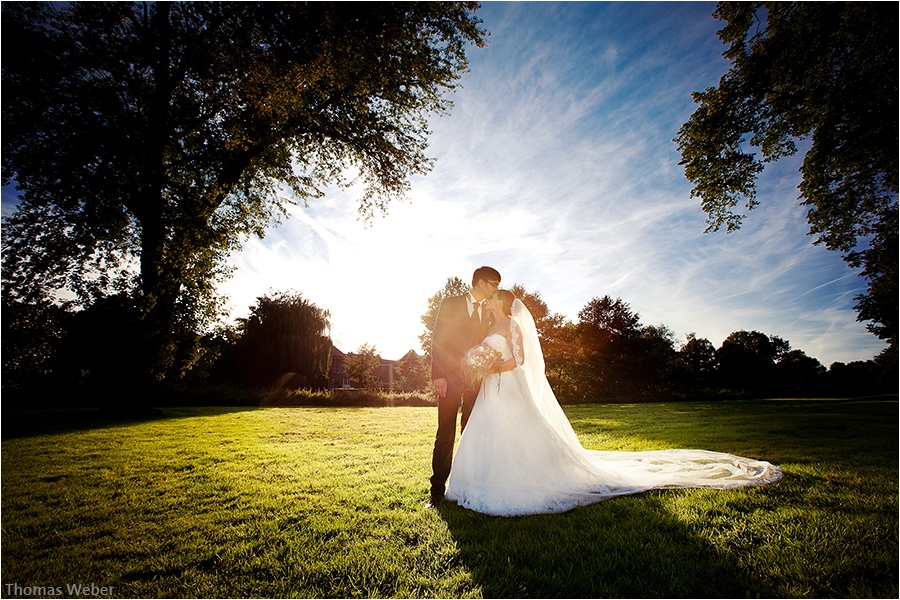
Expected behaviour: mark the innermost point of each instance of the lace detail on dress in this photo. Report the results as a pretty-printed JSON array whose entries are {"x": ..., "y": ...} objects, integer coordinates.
[{"x": 516, "y": 347}]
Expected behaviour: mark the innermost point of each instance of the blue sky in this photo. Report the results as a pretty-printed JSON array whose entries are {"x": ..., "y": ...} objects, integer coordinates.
[{"x": 557, "y": 166}]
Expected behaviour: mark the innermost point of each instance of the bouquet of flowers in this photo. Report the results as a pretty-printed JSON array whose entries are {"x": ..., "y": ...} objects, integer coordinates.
[{"x": 478, "y": 362}]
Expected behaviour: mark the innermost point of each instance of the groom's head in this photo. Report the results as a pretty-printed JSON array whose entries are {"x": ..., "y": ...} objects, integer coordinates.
[{"x": 485, "y": 281}]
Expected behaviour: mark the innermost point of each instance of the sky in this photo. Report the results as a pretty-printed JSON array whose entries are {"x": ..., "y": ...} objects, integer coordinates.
[{"x": 556, "y": 166}]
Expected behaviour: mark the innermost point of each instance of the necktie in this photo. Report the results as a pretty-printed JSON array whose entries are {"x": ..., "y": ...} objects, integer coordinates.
[{"x": 475, "y": 316}]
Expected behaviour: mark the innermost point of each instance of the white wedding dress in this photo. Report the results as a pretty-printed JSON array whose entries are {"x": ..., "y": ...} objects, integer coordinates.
[{"x": 519, "y": 455}]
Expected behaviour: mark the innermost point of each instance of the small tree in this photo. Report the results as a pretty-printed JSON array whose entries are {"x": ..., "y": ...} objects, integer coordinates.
[
  {"x": 361, "y": 366},
  {"x": 656, "y": 361},
  {"x": 799, "y": 374},
  {"x": 858, "y": 378},
  {"x": 284, "y": 342},
  {"x": 29, "y": 341},
  {"x": 413, "y": 371},
  {"x": 746, "y": 361},
  {"x": 101, "y": 346},
  {"x": 698, "y": 358},
  {"x": 609, "y": 336}
]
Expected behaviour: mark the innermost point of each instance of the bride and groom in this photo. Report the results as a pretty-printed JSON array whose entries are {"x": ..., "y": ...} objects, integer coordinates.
[{"x": 518, "y": 453}]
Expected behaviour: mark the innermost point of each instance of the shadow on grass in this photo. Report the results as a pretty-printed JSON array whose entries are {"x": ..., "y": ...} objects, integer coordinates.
[
  {"x": 851, "y": 431},
  {"x": 634, "y": 547},
  {"x": 22, "y": 423},
  {"x": 622, "y": 548}
]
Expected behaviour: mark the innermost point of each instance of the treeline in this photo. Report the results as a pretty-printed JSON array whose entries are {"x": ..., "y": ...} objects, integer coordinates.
[
  {"x": 607, "y": 354},
  {"x": 284, "y": 342}
]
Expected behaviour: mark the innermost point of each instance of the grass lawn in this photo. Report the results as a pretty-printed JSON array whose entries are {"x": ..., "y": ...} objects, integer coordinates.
[{"x": 329, "y": 502}]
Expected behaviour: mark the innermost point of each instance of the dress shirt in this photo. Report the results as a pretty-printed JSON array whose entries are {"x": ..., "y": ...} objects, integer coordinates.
[{"x": 473, "y": 304}]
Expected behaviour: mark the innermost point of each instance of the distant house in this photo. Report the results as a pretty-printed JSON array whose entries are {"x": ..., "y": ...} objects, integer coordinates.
[
  {"x": 336, "y": 377},
  {"x": 386, "y": 372}
]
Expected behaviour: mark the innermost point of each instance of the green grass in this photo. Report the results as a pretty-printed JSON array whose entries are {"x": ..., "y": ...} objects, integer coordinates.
[{"x": 329, "y": 502}]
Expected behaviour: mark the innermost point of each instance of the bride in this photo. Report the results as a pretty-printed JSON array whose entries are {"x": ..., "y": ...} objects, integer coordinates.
[{"x": 519, "y": 455}]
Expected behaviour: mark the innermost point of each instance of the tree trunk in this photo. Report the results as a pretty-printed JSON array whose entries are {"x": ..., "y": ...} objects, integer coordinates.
[{"x": 156, "y": 304}]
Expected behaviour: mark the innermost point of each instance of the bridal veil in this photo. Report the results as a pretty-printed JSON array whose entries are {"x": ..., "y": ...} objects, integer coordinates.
[{"x": 628, "y": 472}]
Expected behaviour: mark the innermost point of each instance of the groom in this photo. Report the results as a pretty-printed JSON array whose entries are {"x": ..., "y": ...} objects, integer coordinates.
[{"x": 460, "y": 325}]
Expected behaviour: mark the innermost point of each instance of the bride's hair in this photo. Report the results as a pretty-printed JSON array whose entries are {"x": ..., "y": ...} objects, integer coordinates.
[{"x": 506, "y": 298}]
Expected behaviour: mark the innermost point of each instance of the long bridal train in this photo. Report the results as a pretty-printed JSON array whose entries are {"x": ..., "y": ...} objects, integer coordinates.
[{"x": 519, "y": 454}]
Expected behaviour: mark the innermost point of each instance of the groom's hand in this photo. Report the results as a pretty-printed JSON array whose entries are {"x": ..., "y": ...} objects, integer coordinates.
[{"x": 440, "y": 387}]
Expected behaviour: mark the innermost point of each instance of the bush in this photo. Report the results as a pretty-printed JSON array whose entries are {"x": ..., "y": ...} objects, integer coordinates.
[{"x": 231, "y": 396}]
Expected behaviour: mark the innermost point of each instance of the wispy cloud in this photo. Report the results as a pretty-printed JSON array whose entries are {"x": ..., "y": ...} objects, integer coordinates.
[{"x": 557, "y": 166}]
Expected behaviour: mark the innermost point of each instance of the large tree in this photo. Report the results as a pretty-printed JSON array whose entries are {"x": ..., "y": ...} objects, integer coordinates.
[
  {"x": 698, "y": 357},
  {"x": 414, "y": 372},
  {"x": 825, "y": 72},
  {"x": 609, "y": 337},
  {"x": 147, "y": 140},
  {"x": 746, "y": 361},
  {"x": 284, "y": 342}
]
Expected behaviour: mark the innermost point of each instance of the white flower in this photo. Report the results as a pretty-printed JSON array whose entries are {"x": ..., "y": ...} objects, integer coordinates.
[{"x": 478, "y": 362}]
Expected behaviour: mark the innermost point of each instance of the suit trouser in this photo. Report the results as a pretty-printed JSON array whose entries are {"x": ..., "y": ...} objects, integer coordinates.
[{"x": 448, "y": 408}]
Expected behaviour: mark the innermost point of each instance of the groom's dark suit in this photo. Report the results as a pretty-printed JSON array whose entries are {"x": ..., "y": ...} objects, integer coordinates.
[{"x": 454, "y": 333}]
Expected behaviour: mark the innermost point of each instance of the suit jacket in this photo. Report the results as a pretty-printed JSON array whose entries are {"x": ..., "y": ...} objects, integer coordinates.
[{"x": 454, "y": 333}]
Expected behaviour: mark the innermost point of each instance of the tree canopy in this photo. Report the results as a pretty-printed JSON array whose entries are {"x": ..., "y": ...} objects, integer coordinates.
[
  {"x": 361, "y": 365},
  {"x": 824, "y": 72},
  {"x": 285, "y": 341},
  {"x": 147, "y": 140}
]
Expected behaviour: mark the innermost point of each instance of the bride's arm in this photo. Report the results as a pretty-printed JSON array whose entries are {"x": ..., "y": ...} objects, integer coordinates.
[
  {"x": 507, "y": 365},
  {"x": 517, "y": 359}
]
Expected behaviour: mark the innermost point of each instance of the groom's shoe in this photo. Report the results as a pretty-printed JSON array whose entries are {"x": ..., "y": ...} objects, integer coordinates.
[{"x": 433, "y": 501}]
